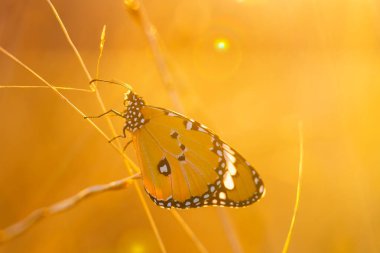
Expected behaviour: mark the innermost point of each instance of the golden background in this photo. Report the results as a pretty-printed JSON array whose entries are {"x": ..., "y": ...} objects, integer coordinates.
[{"x": 250, "y": 70}]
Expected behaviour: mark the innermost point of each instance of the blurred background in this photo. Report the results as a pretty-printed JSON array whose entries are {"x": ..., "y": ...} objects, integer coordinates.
[{"x": 248, "y": 69}]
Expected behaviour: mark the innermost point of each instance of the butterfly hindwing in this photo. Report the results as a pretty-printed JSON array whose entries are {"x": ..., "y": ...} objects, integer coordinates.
[{"x": 185, "y": 165}]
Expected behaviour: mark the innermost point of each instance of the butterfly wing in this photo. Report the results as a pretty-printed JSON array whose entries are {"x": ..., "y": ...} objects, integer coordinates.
[{"x": 185, "y": 165}]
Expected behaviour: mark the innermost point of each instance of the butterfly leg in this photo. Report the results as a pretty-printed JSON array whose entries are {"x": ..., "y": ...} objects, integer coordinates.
[
  {"x": 126, "y": 145},
  {"x": 116, "y": 137},
  {"x": 107, "y": 112},
  {"x": 119, "y": 136}
]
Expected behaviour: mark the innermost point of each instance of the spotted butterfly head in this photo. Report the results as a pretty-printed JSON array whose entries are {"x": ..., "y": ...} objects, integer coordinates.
[{"x": 130, "y": 97}]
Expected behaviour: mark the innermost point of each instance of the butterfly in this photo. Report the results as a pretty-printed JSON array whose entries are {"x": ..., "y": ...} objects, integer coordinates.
[{"x": 183, "y": 163}]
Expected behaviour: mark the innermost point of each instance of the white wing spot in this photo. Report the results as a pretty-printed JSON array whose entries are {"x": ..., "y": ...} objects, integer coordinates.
[
  {"x": 229, "y": 156},
  {"x": 201, "y": 129},
  {"x": 170, "y": 114},
  {"x": 261, "y": 189},
  {"x": 164, "y": 169},
  {"x": 222, "y": 195},
  {"x": 219, "y": 152},
  {"x": 228, "y": 182},
  {"x": 212, "y": 188},
  {"x": 189, "y": 124},
  {"x": 226, "y": 147},
  {"x": 231, "y": 168}
]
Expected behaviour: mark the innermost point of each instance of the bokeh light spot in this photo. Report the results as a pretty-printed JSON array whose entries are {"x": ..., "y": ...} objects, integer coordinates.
[
  {"x": 221, "y": 45},
  {"x": 218, "y": 53},
  {"x": 137, "y": 248}
]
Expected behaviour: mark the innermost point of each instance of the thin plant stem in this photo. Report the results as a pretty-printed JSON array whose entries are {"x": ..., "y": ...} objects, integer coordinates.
[
  {"x": 41, "y": 213},
  {"x": 55, "y": 12},
  {"x": 229, "y": 229},
  {"x": 298, "y": 193},
  {"x": 101, "y": 48},
  {"x": 71, "y": 43},
  {"x": 12, "y": 57},
  {"x": 189, "y": 232},
  {"x": 150, "y": 218},
  {"x": 4, "y": 51},
  {"x": 137, "y": 8},
  {"x": 43, "y": 87}
]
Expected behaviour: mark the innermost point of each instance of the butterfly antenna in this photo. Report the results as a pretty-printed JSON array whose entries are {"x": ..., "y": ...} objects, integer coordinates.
[{"x": 127, "y": 86}]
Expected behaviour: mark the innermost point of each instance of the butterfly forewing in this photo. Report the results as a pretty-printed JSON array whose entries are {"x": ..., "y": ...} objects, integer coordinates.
[{"x": 186, "y": 165}]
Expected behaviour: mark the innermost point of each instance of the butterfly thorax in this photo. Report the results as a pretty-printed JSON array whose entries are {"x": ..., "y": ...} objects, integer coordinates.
[{"x": 134, "y": 118}]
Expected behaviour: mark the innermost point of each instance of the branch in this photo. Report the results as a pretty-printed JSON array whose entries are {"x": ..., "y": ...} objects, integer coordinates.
[{"x": 64, "y": 205}]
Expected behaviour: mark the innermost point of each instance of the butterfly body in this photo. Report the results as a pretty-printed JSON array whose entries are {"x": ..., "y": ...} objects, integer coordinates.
[{"x": 184, "y": 164}]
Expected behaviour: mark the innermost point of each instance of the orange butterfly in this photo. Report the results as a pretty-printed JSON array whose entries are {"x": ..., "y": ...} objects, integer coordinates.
[{"x": 184, "y": 164}]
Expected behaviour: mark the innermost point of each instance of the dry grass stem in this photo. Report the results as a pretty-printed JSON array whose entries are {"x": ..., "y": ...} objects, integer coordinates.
[
  {"x": 230, "y": 231},
  {"x": 137, "y": 9},
  {"x": 43, "y": 87},
  {"x": 69, "y": 40},
  {"x": 4, "y": 51},
  {"x": 298, "y": 193},
  {"x": 189, "y": 232},
  {"x": 38, "y": 214}
]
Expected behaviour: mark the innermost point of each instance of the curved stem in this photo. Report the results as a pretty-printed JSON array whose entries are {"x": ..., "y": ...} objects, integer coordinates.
[
  {"x": 41, "y": 213},
  {"x": 298, "y": 193}
]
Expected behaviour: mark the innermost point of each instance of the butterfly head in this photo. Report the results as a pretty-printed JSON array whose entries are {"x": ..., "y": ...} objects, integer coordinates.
[{"x": 134, "y": 118}]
